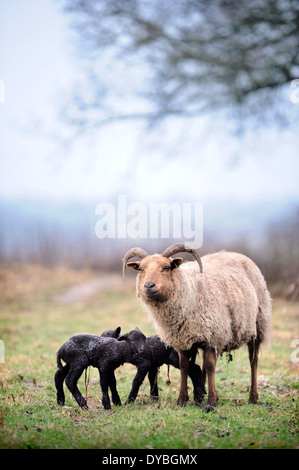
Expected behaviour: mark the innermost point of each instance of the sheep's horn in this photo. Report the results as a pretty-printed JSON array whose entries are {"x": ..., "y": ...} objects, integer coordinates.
[
  {"x": 180, "y": 248},
  {"x": 140, "y": 252}
]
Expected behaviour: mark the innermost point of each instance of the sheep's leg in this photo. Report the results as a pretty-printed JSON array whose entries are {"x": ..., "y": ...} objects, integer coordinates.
[
  {"x": 153, "y": 379},
  {"x": 184, "y": 367},
  {"x": 112, "y": 384},
  {"x": 253, "y": 350},
  {"x": 196, "y": 375},
  {"x": 60, "y": 375},
  {"x": 71, "y": 382},
  {"x": 138, "y": 379},
  {"x": 210, "y": 365}
]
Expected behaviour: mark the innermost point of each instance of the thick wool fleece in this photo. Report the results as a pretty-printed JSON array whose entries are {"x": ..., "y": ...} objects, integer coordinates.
[{"x": 222, "y": 308}]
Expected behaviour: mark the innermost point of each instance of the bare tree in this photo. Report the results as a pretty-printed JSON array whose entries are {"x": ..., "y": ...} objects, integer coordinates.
[{"x": 192, "y": 56}]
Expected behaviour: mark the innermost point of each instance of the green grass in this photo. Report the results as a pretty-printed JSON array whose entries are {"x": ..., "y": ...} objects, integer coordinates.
[{"x": 33, "y": 327}]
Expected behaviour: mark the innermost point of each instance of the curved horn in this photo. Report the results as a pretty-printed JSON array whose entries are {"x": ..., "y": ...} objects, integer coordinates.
[
  {"x": 181, "y": 248},
  {"x": 130, "y": 254}
]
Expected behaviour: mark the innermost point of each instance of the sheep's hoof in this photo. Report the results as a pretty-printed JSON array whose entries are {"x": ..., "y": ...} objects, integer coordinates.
[
  {"x": 209, "y": 407},
  {"x": 84, "y": 407},
  {"x": 253, "y": 398},
  {"x": 182, "y": 400}
]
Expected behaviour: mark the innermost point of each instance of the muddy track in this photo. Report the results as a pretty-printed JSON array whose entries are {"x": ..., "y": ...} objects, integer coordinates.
[{"x": 88, "y": 289}]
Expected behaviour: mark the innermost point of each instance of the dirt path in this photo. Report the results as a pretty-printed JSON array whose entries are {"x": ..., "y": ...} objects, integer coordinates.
[{"x": 90, "y": 288}]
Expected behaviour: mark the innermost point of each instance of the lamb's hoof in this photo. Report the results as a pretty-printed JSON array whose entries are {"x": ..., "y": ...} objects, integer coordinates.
[
  {"x": 84, "y": 407},
  {"x": 198, "y": 402},
  {"x": 198, "y": 399},
  {"x": 155, "y": 397},
  {"x": 129, "y": 400}
]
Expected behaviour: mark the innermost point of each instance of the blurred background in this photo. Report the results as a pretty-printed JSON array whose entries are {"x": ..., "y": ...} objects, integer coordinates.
[{"x": 162, "y": 101}]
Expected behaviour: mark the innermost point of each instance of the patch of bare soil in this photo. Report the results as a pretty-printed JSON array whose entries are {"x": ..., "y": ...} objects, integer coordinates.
[{"x": 88, "y": 289}]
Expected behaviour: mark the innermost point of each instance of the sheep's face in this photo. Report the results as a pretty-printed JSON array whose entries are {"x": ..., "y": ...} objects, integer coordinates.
[{"x": 155, "y": 279}]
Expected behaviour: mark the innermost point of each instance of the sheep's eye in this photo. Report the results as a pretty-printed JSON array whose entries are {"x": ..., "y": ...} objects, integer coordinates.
[
  {"x": 140, "y": 269},
  {"x": 166, "y": 268}
]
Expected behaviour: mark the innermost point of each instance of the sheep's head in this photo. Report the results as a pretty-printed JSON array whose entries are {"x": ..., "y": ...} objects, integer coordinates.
[{"x": 155, "y": 278}]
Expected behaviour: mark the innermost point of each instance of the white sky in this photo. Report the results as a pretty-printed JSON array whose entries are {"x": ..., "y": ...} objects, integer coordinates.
[{"x": 38, "y": 66}]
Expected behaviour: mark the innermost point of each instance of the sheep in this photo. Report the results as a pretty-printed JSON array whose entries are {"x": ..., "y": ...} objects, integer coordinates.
[
  {"x": 105, "y": 353},
  {"x": 217, "y": 303},
  {"x": 156, "y": 354}
]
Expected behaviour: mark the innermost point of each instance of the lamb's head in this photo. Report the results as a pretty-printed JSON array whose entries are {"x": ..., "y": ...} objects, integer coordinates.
[
  {"x": 155, "y": 280},
  {"x": 112, "y": 333},
  {"x": 135, "y": 341}
]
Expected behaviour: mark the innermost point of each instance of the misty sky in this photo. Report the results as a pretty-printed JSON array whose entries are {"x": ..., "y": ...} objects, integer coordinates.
[{"x": 194, "y": 159}]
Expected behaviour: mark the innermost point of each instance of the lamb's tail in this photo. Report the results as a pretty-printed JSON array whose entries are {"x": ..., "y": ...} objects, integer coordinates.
[{"x": 59, "y": 363}]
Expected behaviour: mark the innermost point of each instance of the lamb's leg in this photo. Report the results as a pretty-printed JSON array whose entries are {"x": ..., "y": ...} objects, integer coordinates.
[
  {"x": 253, "y": 350},
  {"x": 210, "y": 365},
  {"x": 60, "y": 375},
  {"x": 71, "y": 382},
  {"x": 138, "y": 379},
  {"x": 204, "y": 375},
  {"x": 112, "y": 384},
  {"x": 104, "y": 381},
  {"x": 196, "y": 375},
  {"x": 153, "y": 379},
  {"x": 184, "y": 367}
]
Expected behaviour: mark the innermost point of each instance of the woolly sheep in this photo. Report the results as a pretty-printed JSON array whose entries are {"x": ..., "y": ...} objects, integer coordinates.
[
  {"x": 105, "y": 353},
  {"x": 217, "y": 304}
]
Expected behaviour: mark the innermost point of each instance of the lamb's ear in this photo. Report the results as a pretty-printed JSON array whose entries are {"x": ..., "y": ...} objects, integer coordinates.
[
  {"x": 134, "y": 265},
  {"x": 117, "y": 332},
  {"x": 122, "y": 338},
  {"x": 176, "y": 262}
]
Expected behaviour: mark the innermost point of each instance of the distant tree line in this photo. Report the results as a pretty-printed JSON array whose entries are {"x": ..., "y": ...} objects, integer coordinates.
[{"x": 38, "y": 243}]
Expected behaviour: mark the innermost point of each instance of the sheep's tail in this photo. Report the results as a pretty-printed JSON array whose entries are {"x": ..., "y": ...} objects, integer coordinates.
[
  {"x": 263, "y": 321},
  {"x": 264, "y": 318}
]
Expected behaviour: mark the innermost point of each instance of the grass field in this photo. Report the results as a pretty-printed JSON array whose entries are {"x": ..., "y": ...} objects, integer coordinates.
[{"x": 34, "y": 323}]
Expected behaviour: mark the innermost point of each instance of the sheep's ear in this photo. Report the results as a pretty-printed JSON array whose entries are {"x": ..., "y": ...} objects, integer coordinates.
[
  {"x": 134, "y": 265},
  {"x": 176, "y": 262}
]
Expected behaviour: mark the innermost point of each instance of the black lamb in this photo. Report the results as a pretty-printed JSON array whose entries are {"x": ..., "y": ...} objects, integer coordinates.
[
  {"x": 155, "y": 354},
  {"x": 104, "y": 353}
]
